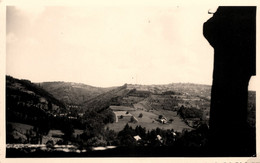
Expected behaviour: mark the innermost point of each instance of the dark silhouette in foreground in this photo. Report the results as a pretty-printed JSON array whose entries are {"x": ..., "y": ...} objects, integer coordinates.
[{"x": 232, "y": 34}]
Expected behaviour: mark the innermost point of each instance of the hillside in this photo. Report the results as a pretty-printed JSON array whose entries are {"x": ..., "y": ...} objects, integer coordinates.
[
  {"x": 199, "y": 90},
  {"x": 159, "y": 115},
  {"x": 106, "y": 99},
  {"x": 26, "y": 90},
  {"x": 72, "y": 93},
  {"x": 28, "y": 104},
  {"x": 167, "y": 97},
  {"x": 145, "y": 103},
  {"x": 176, "y": 101}
]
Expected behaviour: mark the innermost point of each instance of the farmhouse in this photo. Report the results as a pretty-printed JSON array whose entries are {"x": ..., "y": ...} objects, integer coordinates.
[
  {"x": 163, "y": 120},
  {"x": 137, "y": 138}
]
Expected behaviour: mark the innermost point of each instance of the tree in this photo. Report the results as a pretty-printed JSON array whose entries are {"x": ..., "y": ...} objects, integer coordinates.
[
  {"x": 126, "y": 136},
  {"x": 49, "y": 106},
  {"x": 132, "y": 119},
  {"x": 96, "y": 141},
  {"x": 68, "y": 130},
  {"x": 140, "y": 131},
  {"x": 110, "y": 136},
  {"x": 50, "y": 144},
  {"x": 59, "y": 142},
  {"x": 108, "y": 116},
  {"x": 140, "y": 115},
  {"x": 127, "y": 140}
]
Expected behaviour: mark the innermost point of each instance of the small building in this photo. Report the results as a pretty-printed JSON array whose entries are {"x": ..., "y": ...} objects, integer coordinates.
[
  {"x": 71, "y": 117},
  {"x": 163, "y": 120},
  {"x": 137, "y": 138},
  {"x": 159, "y": 138}
]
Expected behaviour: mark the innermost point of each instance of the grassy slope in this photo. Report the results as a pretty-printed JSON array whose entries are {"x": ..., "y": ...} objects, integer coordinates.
[
  {"x": 149, "y": 119},
  {"x": 72, "y": 93}
]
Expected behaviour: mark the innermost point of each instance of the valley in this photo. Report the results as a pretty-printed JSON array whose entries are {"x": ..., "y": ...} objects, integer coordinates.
[{"x": 86, "y": 117}]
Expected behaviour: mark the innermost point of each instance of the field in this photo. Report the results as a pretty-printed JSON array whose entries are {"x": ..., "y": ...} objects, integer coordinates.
[
  {"x": 22, "y": 128},
  {"x": 121, "y": 108},
  {"x": 149, "y": 120}
]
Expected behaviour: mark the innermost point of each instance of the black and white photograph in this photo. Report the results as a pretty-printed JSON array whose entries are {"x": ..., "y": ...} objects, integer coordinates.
[{"x": 130, "y": 81}]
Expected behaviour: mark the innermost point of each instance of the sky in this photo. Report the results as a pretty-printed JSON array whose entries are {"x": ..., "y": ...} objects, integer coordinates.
[{"x": 108, "y": 45}]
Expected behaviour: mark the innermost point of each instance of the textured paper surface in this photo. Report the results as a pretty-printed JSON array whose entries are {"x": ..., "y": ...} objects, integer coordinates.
[{"x": 152, "y": 67}]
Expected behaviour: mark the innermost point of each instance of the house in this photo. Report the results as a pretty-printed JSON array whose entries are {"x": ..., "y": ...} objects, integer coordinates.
[
  {"x": 81, "y": 114},
  {"x": 163, "y": 120},
  {"x": 137, "y": 138},
  {"x": 43, "y": 100},
  {"x": 158, "y": 137}
]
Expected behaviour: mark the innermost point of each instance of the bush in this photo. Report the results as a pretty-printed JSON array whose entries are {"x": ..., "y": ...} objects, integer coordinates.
[
  {"x": 133, "y": 119},
  {"x": 140, "y": 115},
  {"x": 60, "y": 142},
  {"x": 96, "y": 141},
  {"x": 49, "y": 144}
]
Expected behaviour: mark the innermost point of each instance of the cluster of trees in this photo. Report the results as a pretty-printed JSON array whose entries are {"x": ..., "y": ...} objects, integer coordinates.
[
  {"x": 186, "y": 112},
  {"x": 29, "y": 115},
  {"x": 158, "y": 137},
  {"x": 95, "y": 136},
  {"x": 22, "y": 107},
  {"x": 95, "y": 133},
  {"x": 169, "y": 93},
  {"x": 148, "y": 138}
]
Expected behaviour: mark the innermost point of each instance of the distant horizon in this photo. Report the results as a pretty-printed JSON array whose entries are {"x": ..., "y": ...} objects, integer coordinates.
[
  {"x": 105, "y": 86},
  {"x": 251, "y": 87},
  {"x": 106, "y": 46}
]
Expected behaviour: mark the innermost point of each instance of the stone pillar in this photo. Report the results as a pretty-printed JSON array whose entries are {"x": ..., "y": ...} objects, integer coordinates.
[{"x": 232, "y": 33}]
